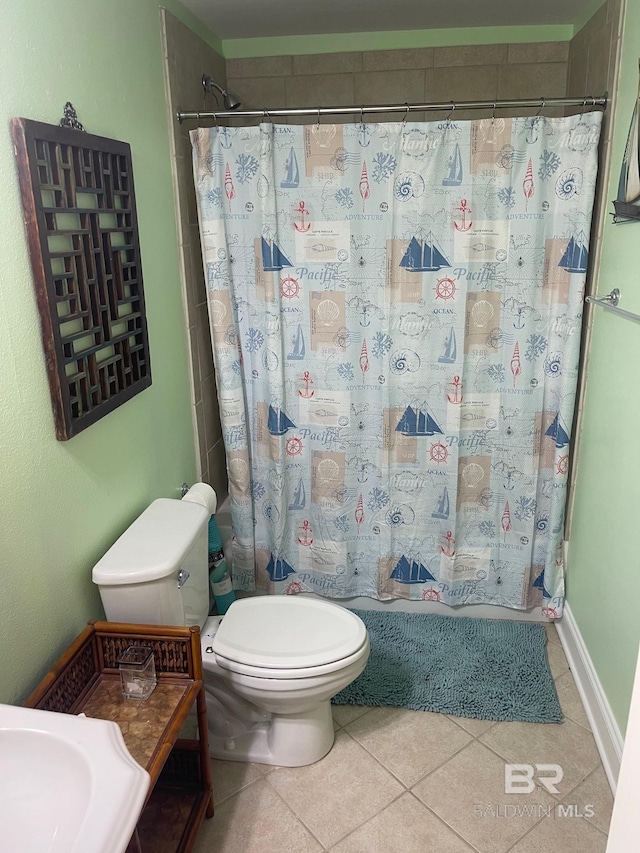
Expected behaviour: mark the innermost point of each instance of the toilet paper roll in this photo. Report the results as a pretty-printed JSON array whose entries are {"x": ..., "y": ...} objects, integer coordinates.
[{"x": 203, "y": 494}]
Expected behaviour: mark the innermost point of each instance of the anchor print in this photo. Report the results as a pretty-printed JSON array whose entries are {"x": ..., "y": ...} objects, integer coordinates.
[
  {"x": 449, "y": 549},
  {"x": 363, "y": 135},
  {"x": 364, "y": 319},
  {"x": 306, "y": 539},
  {"x": 229, "y": 189},
  {"x": 456, "y": 395},
  {"x": 518, "y": 323},
  {"x": 306, "y": 378},
  {"x": 363, "y": 186},
  {"x": 302, "y": 226},
  {"x": 464, "y": 210}
]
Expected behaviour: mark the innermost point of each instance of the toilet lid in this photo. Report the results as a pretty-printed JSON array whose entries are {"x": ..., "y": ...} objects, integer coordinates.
[{"x": 285, "y": 632}]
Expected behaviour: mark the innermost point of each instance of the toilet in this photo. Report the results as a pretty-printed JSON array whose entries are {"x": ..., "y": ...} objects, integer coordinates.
[{"x": 271, "y": 664}]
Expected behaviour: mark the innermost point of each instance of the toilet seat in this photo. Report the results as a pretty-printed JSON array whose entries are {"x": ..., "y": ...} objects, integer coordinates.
[{"x": 287, "y": 637}]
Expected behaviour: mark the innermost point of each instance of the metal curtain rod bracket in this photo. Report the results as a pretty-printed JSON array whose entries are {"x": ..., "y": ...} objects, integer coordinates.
[
  {"x": 610, "y": 302},
  {"x": 539, "y": 103}
]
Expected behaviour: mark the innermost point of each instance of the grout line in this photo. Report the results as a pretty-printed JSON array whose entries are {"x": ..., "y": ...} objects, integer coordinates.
[
  {"x": 292, "y": 810},
  {"x": 384, "y": 766},
  {"x": 444, "y": 823}
]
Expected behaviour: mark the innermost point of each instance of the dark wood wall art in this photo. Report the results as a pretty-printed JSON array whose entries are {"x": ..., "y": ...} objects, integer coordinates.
[{"x": 80, "y": 215}]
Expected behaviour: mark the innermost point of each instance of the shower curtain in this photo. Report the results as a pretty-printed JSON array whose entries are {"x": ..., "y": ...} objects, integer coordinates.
[{"x": 395, "y": 312}]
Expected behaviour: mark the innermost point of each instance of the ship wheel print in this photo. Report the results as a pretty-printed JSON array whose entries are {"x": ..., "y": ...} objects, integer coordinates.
[
  {"x": 563, "y": 464},
  {"x": 438, "y": 452},
  {"x": 294, "y": 588},
  {"x": 430, "y": 594},
  {"x": 289, "y": 287},
  {"x": 445, "y": 288},
  {"x": 293, "y": 446},
  {"x": 550, "y": 612}
]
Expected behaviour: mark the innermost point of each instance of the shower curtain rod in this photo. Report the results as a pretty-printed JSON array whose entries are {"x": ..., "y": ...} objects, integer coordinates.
[{"x": 452, "y": 106}]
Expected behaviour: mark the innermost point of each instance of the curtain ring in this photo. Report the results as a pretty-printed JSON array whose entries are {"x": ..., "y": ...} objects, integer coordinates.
[
  {"x": 406, "y": 115},
  {"x": 584, "y": 105},
  {"x": 215, "y": 118},
  {"x": 362, "y": 114},
  {"x": 493, "y": 114},
  {"x": 448, "y": 119},
  {"x": 266, "y": 115},
  {"x": 540, "y": 108},
  {"x": 318, "y": 123}
]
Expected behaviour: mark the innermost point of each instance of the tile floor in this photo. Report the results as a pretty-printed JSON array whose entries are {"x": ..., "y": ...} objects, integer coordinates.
[{"x": 399, "y": 781}]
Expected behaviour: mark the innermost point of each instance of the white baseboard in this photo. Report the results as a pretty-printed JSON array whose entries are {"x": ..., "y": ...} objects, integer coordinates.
[{"x": 603, "y": 724}]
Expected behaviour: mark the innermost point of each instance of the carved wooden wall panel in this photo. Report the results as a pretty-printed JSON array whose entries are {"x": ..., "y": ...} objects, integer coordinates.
[{"x": 80, "y": 215}]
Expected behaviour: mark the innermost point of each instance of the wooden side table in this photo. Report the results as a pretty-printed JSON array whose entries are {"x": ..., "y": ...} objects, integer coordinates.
[{"x": 86, "y": 680}]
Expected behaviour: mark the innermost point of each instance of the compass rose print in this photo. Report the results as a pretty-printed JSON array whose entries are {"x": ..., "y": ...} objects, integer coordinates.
[
  {"x": 438, "y": 453},
  {"x": 445, "y": 288},
  {"x": 293, "y": 447}
]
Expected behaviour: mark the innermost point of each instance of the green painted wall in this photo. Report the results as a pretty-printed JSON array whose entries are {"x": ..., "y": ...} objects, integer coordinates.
[
  {"x": 396, "y": 40},
  {"x": 63, "y": 503},
  {"x": 603, "y": 585}
]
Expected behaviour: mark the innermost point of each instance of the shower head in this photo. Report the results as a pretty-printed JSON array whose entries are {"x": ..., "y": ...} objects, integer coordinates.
[{"x": 210, "y": 86}]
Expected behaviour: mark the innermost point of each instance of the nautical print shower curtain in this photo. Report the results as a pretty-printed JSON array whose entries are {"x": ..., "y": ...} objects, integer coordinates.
[{"x": 395, "y": 312}]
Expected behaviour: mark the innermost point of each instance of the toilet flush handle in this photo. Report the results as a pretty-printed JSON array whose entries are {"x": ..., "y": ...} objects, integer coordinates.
[{"x": 183, "y": 577}]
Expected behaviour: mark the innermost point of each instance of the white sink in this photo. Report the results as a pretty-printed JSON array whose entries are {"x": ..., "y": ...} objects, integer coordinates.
[{"x": 67, "y": 784}]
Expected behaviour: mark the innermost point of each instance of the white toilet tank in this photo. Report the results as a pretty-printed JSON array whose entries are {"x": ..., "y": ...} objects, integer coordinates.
[{"x": 156, "y": 573}]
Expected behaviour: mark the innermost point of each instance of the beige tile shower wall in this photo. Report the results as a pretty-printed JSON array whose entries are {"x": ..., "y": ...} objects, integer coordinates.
[
  {"x": 594, "y": 59},
  {"x": 399, "y": 76},
  {"x": 187, "y": 58}
]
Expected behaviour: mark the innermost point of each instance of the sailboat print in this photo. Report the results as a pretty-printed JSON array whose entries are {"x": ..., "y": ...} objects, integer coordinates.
[
  {"x": 442, "y": 507},
  {"x": 629, "y": 183},
  {"x": 450, "y": 349},
  {"x": 292, "y": 172},
  {"x": 273, "y": 259},
  {"x": 299, "y": 497},
  {"x": 277, "y": 422},
  {"x": 411, "y": 571},
  {"x": 576, "y": 256},
  {"x": 417, "y": 422},
  {"x": 423, "y": 256},
  {"x": 558, "y": 433},
  {"x": 454, "y": 178},
  {"x": 279, "y": 569},
  {"x": 299, "y": 349}
]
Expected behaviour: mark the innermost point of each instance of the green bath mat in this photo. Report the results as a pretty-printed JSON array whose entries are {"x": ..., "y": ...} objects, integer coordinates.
[{"x": 483, "y": 668}]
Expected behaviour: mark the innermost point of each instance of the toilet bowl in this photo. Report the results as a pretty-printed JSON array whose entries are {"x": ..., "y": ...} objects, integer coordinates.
[
  {"x": 287, "y": 656},
  {"x": 271, "y": 665}
]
